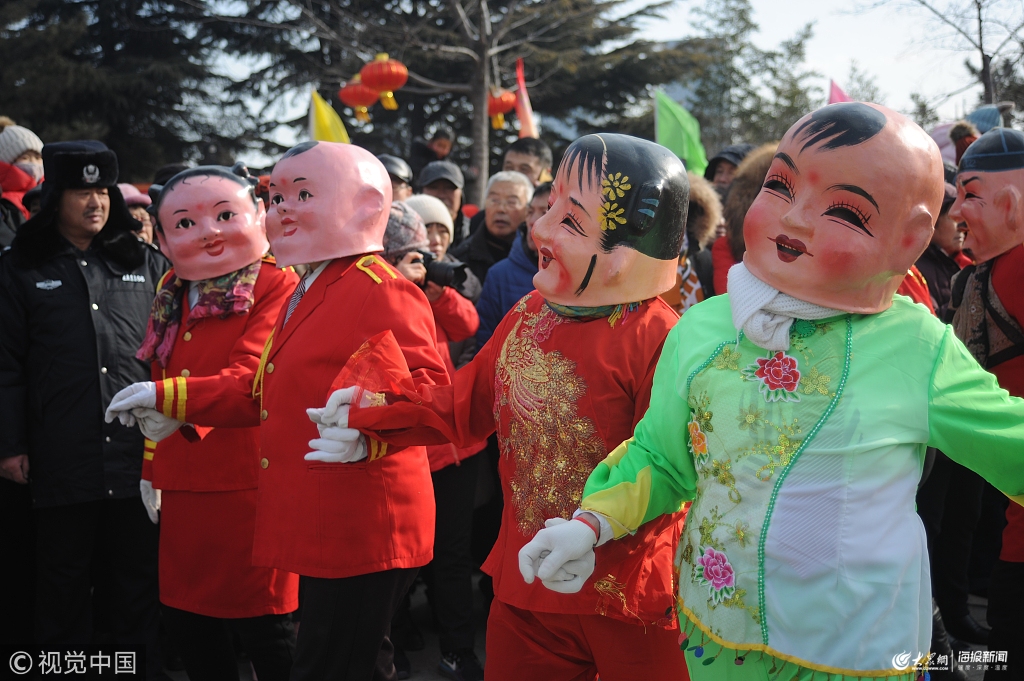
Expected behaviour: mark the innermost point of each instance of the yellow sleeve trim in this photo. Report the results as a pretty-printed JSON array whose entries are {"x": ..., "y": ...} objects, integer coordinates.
[
  {"x": 363, "y": 264},
  {"x": 149, "y": 450},
  {"x": 624, "y": 505},
  {"x": 182, "y": 394},
  {"x": 168, "y": 406},
  {"x": 175, "y": 394},
  {"x": 377, "y": 449}
]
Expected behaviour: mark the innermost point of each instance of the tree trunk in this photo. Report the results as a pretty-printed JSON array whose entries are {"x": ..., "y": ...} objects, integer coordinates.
[
  {"x": 480, "y": 157},
  {"x": 986, "y": 79}
]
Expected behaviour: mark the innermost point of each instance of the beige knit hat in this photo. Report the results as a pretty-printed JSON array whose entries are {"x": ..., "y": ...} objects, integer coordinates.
[
  {"x": 431, "y": 209},
  {"x": 16, "y": 140}
]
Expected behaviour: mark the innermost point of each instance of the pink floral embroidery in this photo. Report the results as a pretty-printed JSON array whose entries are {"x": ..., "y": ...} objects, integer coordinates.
[
  {"x": 778, "y": 376},
  {"x": 717, "y": 574},
  {"x": 717, "y": 570}
]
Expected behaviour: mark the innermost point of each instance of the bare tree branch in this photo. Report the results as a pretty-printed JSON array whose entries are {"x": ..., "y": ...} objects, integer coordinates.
[
  {"x": 486, "y": 17},
  {"x": 467, "y": 26},
  {"x": 949, "y": 22},
  {"x": 460, "y": 88}
]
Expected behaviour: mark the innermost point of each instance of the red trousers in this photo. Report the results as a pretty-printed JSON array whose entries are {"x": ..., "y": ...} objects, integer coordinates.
[{"x": 523, "y": 644}]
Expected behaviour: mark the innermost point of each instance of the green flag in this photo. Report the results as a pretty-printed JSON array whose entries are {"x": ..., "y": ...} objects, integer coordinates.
[{"x": 679, "y": 131}]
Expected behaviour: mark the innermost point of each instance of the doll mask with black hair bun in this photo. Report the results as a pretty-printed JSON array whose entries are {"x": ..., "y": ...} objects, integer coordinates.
[
  {"x": 615, "y": 225},
  {"x": 209, "y": 222}
]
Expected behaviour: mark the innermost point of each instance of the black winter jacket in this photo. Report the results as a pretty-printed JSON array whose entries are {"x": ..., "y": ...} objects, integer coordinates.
[{"x": 70, "y": 325}]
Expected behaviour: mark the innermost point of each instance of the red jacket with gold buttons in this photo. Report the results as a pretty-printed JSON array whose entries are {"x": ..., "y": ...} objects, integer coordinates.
[
  {"x": 313, "y": 518},
  {"x": 206, "y": 349}
]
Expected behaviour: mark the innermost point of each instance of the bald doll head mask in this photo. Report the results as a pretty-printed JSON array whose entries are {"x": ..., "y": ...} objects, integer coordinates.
[
  {"x": 990, "y": 193},
  {"x": 327, "y": 200},
  {"x": 848, "y": 205}
]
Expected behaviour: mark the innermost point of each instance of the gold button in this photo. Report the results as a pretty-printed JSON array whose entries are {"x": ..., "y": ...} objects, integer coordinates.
[
  {"x": 185, "y": 373},
  {"x": 270, "y": 368},
  {"x": 264, "y": 462},
  {"x": 264, "y": 415},
  {"x": 187, "y": 336}
]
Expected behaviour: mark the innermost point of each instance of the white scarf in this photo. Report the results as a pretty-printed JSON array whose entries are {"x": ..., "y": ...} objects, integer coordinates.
[{"x": 765, "y": 313}]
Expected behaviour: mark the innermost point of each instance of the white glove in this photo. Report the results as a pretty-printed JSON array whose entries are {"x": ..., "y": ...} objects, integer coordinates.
[
  {"x": 561, "y": 555},
  {"x": 151, "y": 500},
  {"x": 154, "y": 424},
  {"x": 337, "y": 445},
  {"x": 135, "y": 395},
  {"x": 335, "y": 413}
]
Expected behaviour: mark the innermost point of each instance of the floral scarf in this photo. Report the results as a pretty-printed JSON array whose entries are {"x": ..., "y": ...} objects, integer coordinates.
[
  {"x": 614, "y": 313},
  {"x": 232, "y": 293}
]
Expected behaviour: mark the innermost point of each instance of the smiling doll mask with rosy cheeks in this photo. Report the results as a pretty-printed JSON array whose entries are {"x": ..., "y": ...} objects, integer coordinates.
[
  {"x": 327, "y": 200},
  {"x": 990, "y": 193},
  {"x": 848, "y": 205},
  {"x": 210, "y": 223},
  {"x": 615, "y": 224}
]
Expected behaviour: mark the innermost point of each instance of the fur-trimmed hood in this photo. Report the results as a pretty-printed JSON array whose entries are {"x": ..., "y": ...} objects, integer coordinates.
[
  {"x": 38, "y": 239},
  {"x": 746, "y": 185},
  {"x": 704, "y": 214}
]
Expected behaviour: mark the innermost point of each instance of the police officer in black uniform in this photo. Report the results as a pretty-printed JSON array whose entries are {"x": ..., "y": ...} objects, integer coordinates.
[{"x": 76, "y": 289}]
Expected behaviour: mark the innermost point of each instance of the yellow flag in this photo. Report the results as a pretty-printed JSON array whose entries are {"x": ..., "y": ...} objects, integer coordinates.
[{"x": 324, "y": 122}]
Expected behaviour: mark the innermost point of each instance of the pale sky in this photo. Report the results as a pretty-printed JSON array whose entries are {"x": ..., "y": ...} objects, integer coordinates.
[{"x": 901, "y": 48}]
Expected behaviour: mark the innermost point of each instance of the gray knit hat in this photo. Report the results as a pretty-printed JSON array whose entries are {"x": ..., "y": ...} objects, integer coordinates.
[
  {"x": 432, "y": 209},
  {"x": 405, "y": 232},
  {"x": 16, "y": 140}
]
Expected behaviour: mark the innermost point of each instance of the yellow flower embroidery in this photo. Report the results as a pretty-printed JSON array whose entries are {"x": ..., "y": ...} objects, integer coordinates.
[
  {"x": 727, "y": 359},
  {"x": 815, "y": 382},
  {"x": 751, "y": 418},
  {"x": 615, "y": 185},
  {"x": 610, "y": 214}
]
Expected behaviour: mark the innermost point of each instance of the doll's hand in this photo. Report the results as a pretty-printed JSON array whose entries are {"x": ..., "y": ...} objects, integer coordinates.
[
  {"x": 154, "y": 424},
  {"x": 335, "y": 413},
  {"x": 151, "y": 500},
  {"x": 561, "y": 555},
  {"x": 136, "y": 395},
  {"x": 337, "y": 445}
]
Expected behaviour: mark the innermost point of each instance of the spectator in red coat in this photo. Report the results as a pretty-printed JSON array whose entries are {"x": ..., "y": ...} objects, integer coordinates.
[
  {"x": 746, "y": 185},
  {"x": 21, "y": 163},
  {"x": 453, "y": 471}
]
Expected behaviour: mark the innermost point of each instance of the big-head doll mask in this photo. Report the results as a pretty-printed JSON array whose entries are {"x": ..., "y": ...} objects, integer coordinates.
[
  {"x": 209, "y": 222},
  {"x": 990, "y": 193},
  {"x": 848, "y": 205},
  {"x": 615, "y": 224},
  {"x": 327, "y": 200}
]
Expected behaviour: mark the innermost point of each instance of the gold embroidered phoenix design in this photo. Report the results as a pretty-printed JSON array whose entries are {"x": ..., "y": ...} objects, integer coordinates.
[{"x": 555, "y": 448}]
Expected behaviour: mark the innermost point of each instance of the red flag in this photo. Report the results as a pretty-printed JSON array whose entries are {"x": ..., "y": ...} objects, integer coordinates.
[
  {"x": 527, "y": 125},
  {"x": 836, "y": 94}
]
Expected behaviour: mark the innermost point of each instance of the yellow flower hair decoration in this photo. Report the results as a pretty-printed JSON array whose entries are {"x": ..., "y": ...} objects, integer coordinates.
[
  {"x": 614, "y": 186},
  {"x": 610, "y": 216}
]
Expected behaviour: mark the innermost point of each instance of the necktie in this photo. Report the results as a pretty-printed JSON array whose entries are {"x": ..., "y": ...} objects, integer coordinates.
[{"x": 300, "y": 291}]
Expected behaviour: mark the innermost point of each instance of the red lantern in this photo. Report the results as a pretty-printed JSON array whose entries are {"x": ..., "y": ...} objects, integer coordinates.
[
  {"x": 357, "y": 96},
  {"x": 385, "y": 75},
  {"x": 499, "y": 103}
]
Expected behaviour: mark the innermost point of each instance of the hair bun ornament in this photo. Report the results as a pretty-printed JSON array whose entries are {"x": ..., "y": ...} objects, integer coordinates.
[
  {"x": 643, "y": 206},
  {"x": 242, "y": 170}
]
